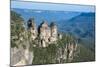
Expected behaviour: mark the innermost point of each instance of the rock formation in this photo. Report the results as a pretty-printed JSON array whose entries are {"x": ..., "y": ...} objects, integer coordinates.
[
  {"x": 44, "y": 33},
  {"x": 54, "y": 33},
  {"x": 32, "y": 28},
  {"x": 41, "y": 36},
  {"x": 67, "y": 53},
  {"x": 47, "y": 34}
]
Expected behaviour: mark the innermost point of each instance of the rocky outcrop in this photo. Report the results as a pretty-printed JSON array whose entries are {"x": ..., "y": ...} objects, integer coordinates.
[
  {"x": 54, "y": 33},
  {"x": 32, "y": 28},
  {"x": 67, "y": 53},
  {"x": 46, "y": 34},
  {"x": 42, "y": 37}
]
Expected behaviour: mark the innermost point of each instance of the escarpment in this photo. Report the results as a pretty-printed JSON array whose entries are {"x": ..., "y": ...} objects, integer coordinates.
[{"x": 41, "y": 44}]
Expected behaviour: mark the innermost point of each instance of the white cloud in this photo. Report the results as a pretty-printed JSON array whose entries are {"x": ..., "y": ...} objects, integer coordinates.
[{"x": 37, "y": 11}]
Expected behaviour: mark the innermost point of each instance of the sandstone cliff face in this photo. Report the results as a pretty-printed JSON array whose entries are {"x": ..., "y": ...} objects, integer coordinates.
[
  {"x": 47, "y": 34},
  {"x": 44, "y": 33},
  {"x": 54, "y": 33},
  {"x": 32, "y": 28}
]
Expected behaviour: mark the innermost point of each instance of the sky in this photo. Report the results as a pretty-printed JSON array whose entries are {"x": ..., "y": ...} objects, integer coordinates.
[{"x": 52, "y": 6}]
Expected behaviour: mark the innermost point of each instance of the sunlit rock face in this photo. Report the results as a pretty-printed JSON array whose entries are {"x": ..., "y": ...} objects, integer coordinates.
[
  {"x": 54, "y": 33},
  {"x": 44, "y": 33},
  {"x": 32, "y": 28},
  {"x": 47, "y": 34}
]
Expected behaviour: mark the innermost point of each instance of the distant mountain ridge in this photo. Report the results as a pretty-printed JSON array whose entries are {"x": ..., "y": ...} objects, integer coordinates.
[
  {"x": 84, "y": 16},
  {"x": 40, "y": 15},
  {"x": 82, "y": 26}
]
